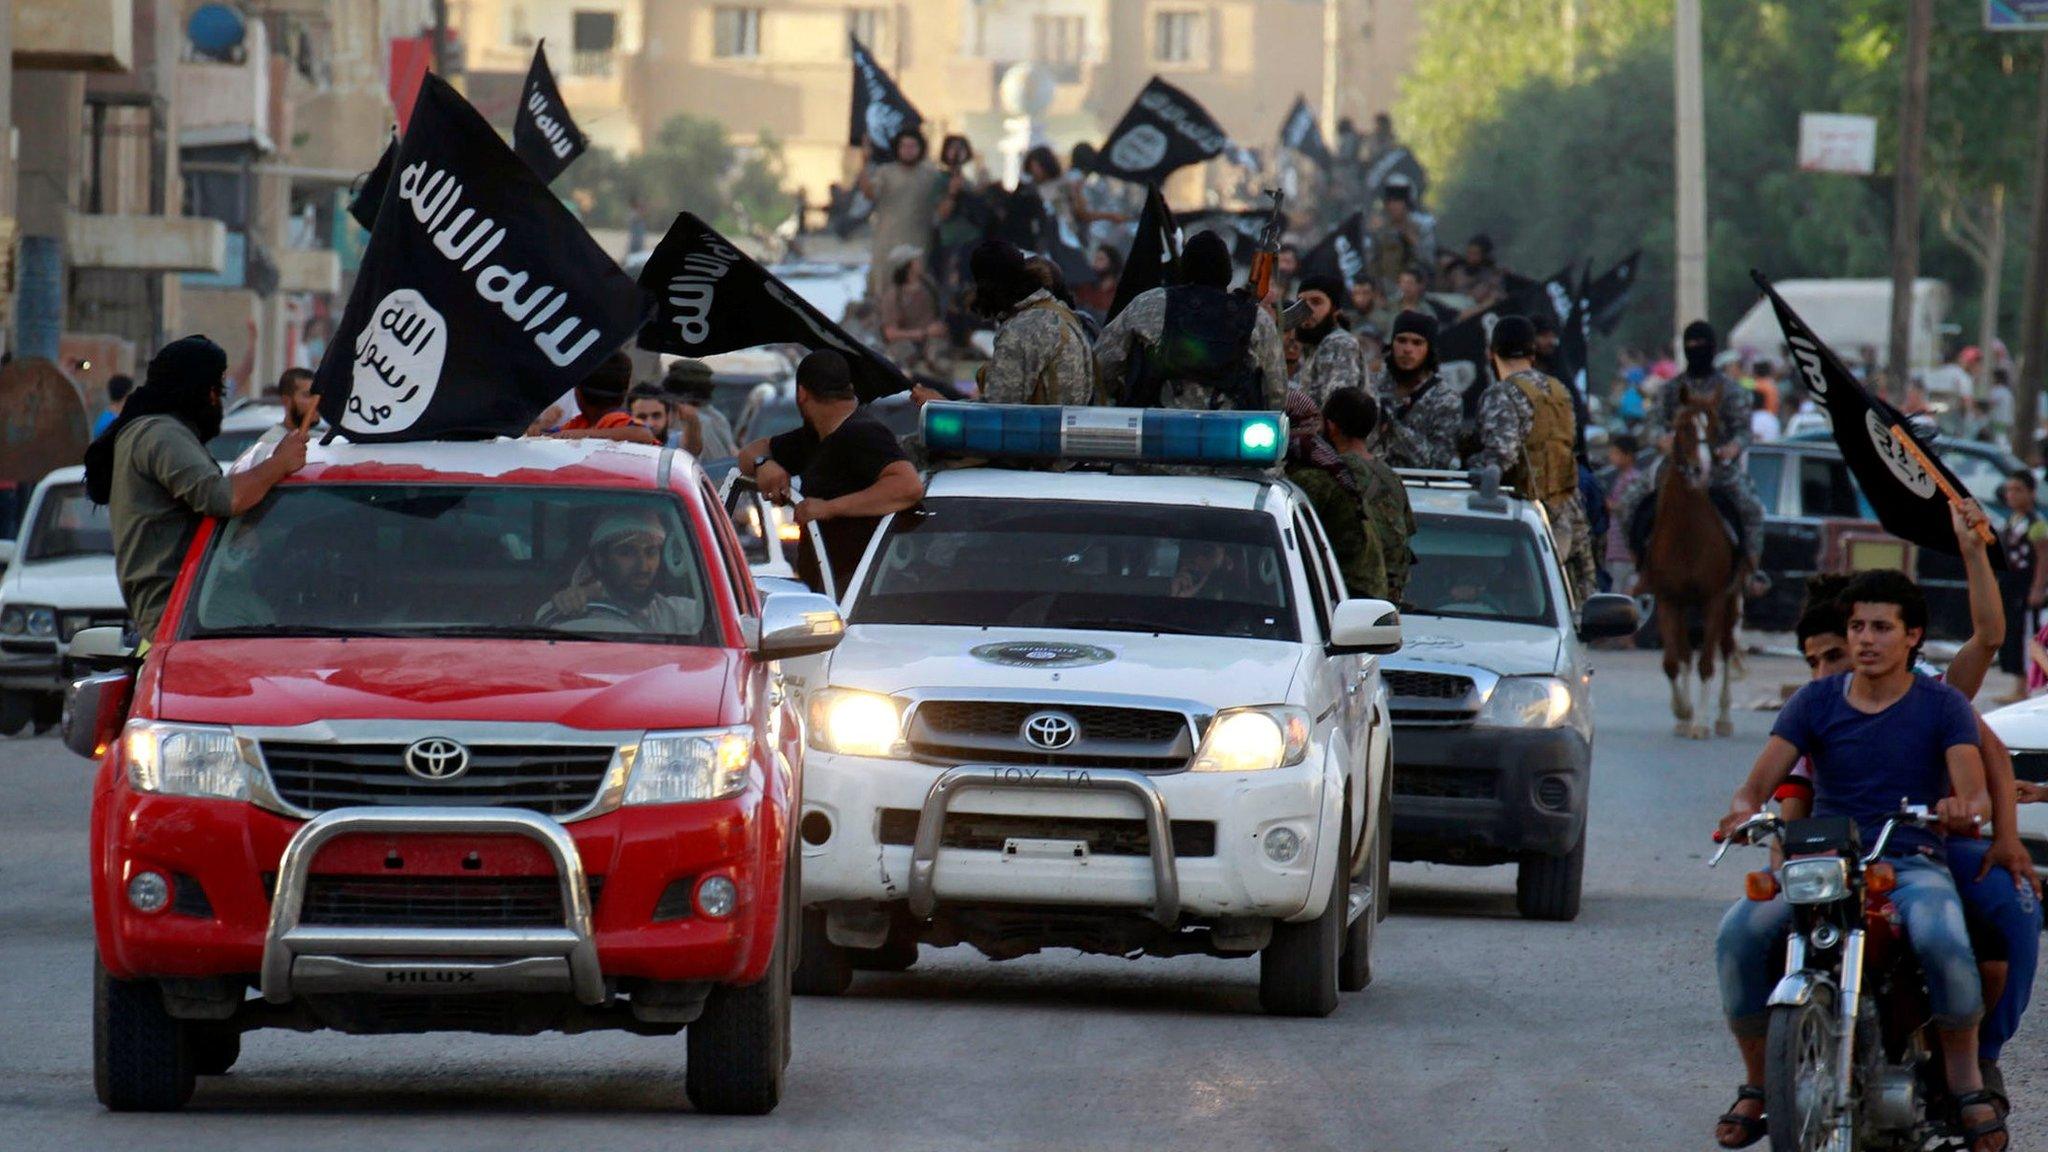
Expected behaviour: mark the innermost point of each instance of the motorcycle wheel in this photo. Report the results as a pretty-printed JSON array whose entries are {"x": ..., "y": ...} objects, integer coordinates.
[{"x": 1799, "y": 1074}]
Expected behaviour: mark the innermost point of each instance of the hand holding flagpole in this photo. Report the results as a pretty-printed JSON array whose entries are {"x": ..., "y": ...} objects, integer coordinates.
[{"x": 1948, "y": 490}]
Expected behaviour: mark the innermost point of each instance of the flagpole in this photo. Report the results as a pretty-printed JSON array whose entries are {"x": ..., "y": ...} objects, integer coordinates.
[{"x": 1692, "y": 168}]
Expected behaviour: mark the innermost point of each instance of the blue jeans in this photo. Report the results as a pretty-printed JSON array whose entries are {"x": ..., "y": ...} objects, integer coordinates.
[
  {"x": 2012, "y": 912},
  {"x": 1748, "y": 960}
]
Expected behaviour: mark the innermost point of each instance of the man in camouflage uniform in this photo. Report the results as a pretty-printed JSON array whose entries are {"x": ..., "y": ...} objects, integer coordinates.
[
  {"x": 1403, "y": 240},
  {"x": 1195, "y": 345},
  {"x": 1526, "y": 428},
  {"x": 1419, "y": 413},
  {"x": 1349, "y": 417},
  {"x": 1702, "y": 384},
  {"x": 1332, "y": 357},
  {"x": 1041, "y": 354}
]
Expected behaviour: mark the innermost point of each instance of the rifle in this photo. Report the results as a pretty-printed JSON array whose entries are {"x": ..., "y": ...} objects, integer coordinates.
[{"x": 1261, "y": 280}]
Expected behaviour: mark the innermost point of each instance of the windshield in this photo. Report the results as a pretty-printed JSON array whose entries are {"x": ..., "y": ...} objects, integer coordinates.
[
  {"x": 229, "y": 446},
  {"x": 1479, "y": 570},
  {"x": 491, "y": 560},
  {"x": 67, "y": 524},
  {"x": 1082, "y": 566}
]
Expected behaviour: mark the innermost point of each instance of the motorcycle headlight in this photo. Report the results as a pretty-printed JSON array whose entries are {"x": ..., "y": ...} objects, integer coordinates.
[
  {"x": 13, "y": 621},
  {"x": 1527, "y": 702},
  {"x": 680, "y": 767},
  {"x": 42, "y": 622},
  {"x": 1253, "y": 740},
  {"x": 855, "y": 723},
  {"x": 1815, "y": 881},
  {"x": 186, "y": 760}
]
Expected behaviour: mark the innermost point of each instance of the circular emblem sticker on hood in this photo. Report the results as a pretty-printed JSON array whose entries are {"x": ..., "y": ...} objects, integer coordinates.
[{"x": 1042, "y": 654}]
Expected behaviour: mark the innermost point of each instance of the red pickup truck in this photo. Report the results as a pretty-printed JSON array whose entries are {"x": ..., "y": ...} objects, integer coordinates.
[{"x": 482, "y": 737}]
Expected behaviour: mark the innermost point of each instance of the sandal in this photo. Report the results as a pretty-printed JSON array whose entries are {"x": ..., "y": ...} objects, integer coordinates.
[
  {"x": 1994, "y": 1086},
  {"x": 1751, "y": 1128},
  {"x": 1972, "y": 1133}
]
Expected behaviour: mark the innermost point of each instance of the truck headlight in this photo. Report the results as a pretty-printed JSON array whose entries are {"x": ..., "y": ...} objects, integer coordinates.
[
  {"x": 42, "y": 622},
  {"x": 1527, "y": 702},
  {"x": 1253, "y": 740},
  {"x": 856, "y": 723},
  {"x": 186, "y": 760},
  {"x": 679, "y": 767},
  {"x": 13, "y": 621},
  {"x": 1814, "y": 881}
]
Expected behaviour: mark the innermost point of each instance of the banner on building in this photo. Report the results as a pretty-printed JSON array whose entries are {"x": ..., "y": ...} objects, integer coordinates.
[
  {"x": 1164, "y": 131},
  {"x": 481, "y": 299},
  {"x": 711, "y": 297},
  {"x": 542, "y": 133},
  {"x": 880, "y": 110}
]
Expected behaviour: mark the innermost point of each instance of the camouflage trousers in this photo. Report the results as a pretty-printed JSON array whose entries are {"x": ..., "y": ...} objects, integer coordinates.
[{"x": 1573, "y": 538}]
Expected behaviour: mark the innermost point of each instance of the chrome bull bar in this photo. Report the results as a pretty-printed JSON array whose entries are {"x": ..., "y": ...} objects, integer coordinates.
[
  {"x": 318, "y": 958},
  {"x": 931, "y": 823}
]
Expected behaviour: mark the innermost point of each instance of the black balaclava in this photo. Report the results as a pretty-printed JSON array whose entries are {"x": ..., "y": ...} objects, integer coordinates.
[
  {"x": 1205, "y": 260},
  {"x": 1420, "y": 324},
  {"x": 181, "y": 381},
  {"x": 1002, "y": 278},
  {"x": 1700, "y": 345}
]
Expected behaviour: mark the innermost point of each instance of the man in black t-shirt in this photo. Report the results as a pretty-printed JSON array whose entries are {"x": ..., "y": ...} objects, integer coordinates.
[{"x": 853, "y": 471}]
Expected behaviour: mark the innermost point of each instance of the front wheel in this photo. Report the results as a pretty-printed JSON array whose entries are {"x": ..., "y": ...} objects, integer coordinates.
[
  {"x": 1298, "y": 970},
  {"x": 1547, "y": 887},
  {"x": 1354, "y": 973},
  {"x": 823, "y": 968},
  {"x": 737, "y": 1050},
  {"x": 1799, "y": 1074},
  {"x": 141, "y": 1055}
]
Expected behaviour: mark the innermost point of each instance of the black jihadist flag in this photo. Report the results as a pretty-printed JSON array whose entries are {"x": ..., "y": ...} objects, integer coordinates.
[
  {"x": 480, "y": 299},
  {"x": 370, "y": 193},
  {"x": 542, "y": 132},
  {"x": 880, "y": 110},
  {"x": 1908, "y": 501},
  {"x": 1154, "y": 259},
  {"x": 1163, "y": 132},
  {"x": 710, "y": 297},
  {"x": 1609, "y": 297},
  {"x": 1301, "y": 133},
  {"x": 1340, "y": 254}
]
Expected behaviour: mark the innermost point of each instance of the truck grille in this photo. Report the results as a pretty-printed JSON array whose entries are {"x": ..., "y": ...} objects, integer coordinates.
[
  {"x": 1447, "y": 783},
  {"x": 556, "y": 780},
  {"x": 991, "y": 732},
  {"x": 1426, "y": 685},
  {"x": 437, "y": 901},
  {"x": 1105, "y": 836}
]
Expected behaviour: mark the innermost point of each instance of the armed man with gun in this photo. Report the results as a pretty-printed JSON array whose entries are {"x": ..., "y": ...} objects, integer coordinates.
[{"x": 1198, "y": 344}]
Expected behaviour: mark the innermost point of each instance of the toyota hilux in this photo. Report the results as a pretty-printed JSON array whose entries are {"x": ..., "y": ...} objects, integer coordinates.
[
  {"x": 457, "y": 736},
  {"x": 1114, "y": 712}
]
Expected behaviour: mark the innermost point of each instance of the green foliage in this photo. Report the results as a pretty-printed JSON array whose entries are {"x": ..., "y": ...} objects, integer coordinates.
[
  {"x": 690, "y": 165},
  {"x": 1559, "y": 142}
]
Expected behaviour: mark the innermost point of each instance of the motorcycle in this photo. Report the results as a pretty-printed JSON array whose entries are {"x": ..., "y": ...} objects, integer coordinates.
[{"x": 1852, "y": 1060}]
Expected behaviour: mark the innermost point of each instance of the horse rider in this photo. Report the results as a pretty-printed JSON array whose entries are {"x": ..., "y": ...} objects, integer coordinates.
[
  {"x": 1194, "y": 345},
  {"x": 1526, "y": 431},
  {"x": 1420, "y": 413},
  {"x": 1703, "y": 386}
]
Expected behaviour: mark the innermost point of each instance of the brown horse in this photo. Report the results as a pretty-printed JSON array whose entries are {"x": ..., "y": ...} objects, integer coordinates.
[{"x": 1693, "y": 566}]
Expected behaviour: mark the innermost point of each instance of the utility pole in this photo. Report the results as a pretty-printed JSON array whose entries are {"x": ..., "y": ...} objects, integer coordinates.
[
  {"x": 1906, "y": 193},
  {"x": 2034, "y": 305},
  {"x": 1332, "y": 35},
  {"x": 441, "y": 38},
  {"x": 1692, "y": 168}
]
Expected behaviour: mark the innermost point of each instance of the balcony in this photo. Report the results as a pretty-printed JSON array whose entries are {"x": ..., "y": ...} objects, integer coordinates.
[
  {"x": 308, "y": 270},
  {"x": 147, "y": 243},
  {"x": 74, "y": 35},
  {"x": 223, "y": 103}
]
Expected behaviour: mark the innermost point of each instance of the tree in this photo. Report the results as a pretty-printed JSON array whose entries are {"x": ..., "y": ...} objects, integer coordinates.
[{"x": 690, "y": 165}]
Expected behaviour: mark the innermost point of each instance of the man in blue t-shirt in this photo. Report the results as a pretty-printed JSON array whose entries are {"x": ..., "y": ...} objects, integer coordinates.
[{"x": 1874, "y": 736}]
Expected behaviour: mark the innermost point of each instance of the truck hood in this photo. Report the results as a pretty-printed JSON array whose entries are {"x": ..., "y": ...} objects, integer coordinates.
[
  {"x": 595, "y": 685},
  {"x": 1509, "y": 649},
  {"x": 66, "y": 582},
  {"x": 1214, "y": 671}
]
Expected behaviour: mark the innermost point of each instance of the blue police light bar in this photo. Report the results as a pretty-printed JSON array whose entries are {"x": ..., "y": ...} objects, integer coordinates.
[{"x": 1151, "y": 435}]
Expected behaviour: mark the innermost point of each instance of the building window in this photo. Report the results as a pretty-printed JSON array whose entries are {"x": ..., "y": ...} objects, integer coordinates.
[
  {"x": 869, "y": 26},
  {"x": 1059, "y": 43},
  {"x": 736, "y": 33},
  {"x": 517, "y": 32},
  {"x": 1179, "y": 37},
  {"x": 595, "y": 39}
]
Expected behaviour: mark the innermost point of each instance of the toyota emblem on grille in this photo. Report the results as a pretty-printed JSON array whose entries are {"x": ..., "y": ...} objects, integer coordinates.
[
  {"x": 1051, "y": 731},
  {"x": 436, "y": 758}
]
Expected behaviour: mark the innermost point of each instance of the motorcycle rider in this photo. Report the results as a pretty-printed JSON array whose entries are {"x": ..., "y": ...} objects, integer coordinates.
[{"x": 1872, "y": 735}]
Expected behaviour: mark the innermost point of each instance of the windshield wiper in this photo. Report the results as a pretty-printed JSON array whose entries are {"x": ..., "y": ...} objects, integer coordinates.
[
  {"x": 495, "y": 632},
  {"x": 1128, "y": 626},
  {"x": 281, "y": 631}
]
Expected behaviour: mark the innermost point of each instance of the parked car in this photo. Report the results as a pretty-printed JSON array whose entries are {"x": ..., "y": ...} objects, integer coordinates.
[
  {"x": 62, "y": 581},
  {"x": 244, "y": 424}
]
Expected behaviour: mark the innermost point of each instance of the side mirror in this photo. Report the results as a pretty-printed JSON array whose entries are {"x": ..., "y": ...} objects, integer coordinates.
[
  {"x": 796, "y": 624},
  {"x": 1608, "y": 615},
  {"x": 95, "y": 708},
  {"x": 100, "y": 647},
  {"x": 1368, "y": 626}
]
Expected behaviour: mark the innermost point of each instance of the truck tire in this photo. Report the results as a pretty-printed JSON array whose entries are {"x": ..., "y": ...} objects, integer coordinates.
[
  {"x": 1354, "y": 970},
  {"x": 1298, "y": 969},
  {"x": 897, "y": 954},
  {"x": 47, "y": 710},
  {"x": 141, "y": 1055},
  {"x": 1547, "y": 887},
  {"x": 15, "y": 712},
  {"x": 823, "y": 968},
  {"x": 738, "y": 1048},
  {"x": 215, "y": 1047}
]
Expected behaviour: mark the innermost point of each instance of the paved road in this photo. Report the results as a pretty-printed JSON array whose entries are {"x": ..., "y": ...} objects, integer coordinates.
[{"x": 1482, "y": 1032}]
